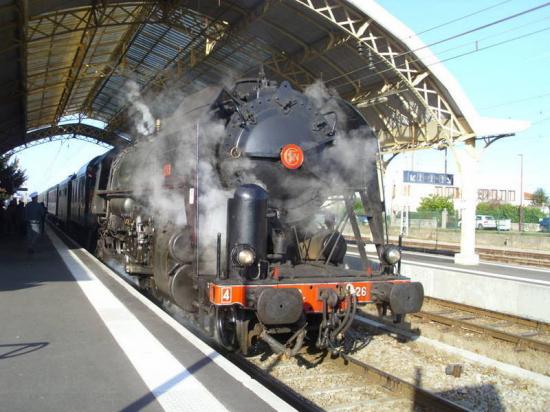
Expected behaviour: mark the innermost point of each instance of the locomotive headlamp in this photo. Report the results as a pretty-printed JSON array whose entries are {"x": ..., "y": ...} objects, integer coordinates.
[
  {"x": 246, "y": 257},
  {"x": 243, "y": 255},
  {"x": 391, "y": 254},
  {"x": 292, "y": 156}
]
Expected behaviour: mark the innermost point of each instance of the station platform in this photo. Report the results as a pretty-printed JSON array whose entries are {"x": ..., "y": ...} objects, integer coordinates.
[
  {"x": 76, "y": 337},
  {"x": 500, "y": 287}
]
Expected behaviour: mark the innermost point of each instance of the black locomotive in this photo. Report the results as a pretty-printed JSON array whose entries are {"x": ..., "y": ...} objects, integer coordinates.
[{"x": 272, "y": 158}]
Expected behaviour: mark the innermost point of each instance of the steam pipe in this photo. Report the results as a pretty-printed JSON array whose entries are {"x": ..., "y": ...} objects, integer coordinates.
[
  {"x": 344, "y": 322},
  {"x": 400, "y": 249},
  {"x": 218, "y": 256},
  {"x": 352, "y": 314},
  {"x": 197, "y": 210}
]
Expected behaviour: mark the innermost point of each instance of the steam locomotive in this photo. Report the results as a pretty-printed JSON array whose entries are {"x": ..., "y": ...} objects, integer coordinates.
[{"x": 235, "y": 214}]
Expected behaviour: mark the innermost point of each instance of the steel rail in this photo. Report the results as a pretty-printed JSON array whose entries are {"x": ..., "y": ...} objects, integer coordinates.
[
  {"x": 419, "y": 396},
  {"x": 529, "y": 258},
  {"x": 542, "y": 326},
  {"x": 519, "y": 340}
]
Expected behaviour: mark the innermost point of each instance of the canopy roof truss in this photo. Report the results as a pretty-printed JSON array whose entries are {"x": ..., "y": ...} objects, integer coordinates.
[
  {"x": 80, "y": 131},
  {"x": 95, "y": 58}
]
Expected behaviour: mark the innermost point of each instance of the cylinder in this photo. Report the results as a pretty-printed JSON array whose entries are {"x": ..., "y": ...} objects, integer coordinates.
[{"x": 247, "y": 222}]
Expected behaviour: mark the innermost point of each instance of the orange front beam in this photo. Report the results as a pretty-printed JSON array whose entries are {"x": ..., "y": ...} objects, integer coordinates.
[{"x": 236, "y": 294}]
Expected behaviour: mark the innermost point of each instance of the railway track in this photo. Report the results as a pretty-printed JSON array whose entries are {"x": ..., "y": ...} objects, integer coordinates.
[
  {"x": 341, "y": 382},
  {"x": 335, "y": 383},
  {"x": 521, "y": 332},
  {"x": 511, "y": 256},
  {"x": 365, "y": 385},
  {"x": 331, "y": 382},
  {"x": 524, "y": 333},
  {"x": 315, "y": 381},
  {"x": 517, "y": 257}
]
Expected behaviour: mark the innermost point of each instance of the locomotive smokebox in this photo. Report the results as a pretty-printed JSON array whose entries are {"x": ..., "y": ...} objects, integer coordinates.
[{"x": 246, "y": 227}]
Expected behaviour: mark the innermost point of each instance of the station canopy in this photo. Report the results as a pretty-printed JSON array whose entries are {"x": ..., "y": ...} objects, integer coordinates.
[{"x": 74, "y": 57}]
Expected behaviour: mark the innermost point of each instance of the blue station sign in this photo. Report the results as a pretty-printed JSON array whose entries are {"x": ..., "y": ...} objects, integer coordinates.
[{"x": 442, "y": 179}]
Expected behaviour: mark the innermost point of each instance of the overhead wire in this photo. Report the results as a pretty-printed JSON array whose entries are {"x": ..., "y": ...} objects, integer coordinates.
[
  {"x": 478, "y": 49},
  {"x": 49, "y": 169},
  {"x": 479, "y": 40},
  {"x": 463, "y": 17},
  {"x": 484, "y": 26},
  {"x": 376, "y": 74},
  {"x": 521, "y": 100},
  {"x": 541, "y": 120},
  {"x": 490, "y": 46}
]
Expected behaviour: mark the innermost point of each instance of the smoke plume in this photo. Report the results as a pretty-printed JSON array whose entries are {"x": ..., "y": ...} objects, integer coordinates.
[{"x": 191, "y": 137}]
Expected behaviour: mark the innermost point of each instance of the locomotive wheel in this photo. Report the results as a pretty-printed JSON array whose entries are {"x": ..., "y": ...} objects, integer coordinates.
[
  {"x": 243, "y": 336},
  {"x": 232, "y": 329},
  {"x": 225, "y": 330}
]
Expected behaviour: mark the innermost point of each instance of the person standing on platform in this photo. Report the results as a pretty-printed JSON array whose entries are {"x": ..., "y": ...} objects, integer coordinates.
[
  {"x": 44, "y": 219},
  {"x": 11, "y": 217},
  {"x": 2, "y": 217},
  {"x": 34, "y": 216},
  {"x": 20, "y": 219}
]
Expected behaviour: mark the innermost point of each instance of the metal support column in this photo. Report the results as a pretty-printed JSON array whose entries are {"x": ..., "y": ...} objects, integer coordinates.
[{"x": 467, "y": 162}]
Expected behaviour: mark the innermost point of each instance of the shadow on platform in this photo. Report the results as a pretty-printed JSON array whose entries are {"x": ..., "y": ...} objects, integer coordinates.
[
  {"x": 20, "y": 269},
  {"x": 12, "y": 350}
]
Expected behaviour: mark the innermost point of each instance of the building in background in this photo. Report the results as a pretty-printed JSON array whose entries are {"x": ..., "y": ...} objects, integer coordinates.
[
  {"x": 406, "y": 188},
  {"x": 501, "y": 195}
]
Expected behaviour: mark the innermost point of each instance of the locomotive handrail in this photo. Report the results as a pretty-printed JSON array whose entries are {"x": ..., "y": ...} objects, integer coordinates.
[{"x": 114, "y": 193}]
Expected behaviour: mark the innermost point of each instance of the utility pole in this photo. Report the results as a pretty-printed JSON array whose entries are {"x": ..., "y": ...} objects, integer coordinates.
[{"x": 521, "y": 214}]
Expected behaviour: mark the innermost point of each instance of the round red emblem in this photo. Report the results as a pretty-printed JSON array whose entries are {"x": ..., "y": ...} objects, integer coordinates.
[{"x": 292, "y": 156}]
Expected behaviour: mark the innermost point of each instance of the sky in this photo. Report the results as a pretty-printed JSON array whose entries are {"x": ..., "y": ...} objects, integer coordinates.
[{"x": 509, "y": 81}]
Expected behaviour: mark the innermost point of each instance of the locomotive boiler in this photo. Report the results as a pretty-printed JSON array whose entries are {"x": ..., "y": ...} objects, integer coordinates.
[{"x": 227, "y": 213}]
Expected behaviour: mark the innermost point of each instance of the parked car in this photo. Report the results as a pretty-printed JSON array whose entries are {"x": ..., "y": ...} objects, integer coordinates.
[
  {"x": 544, "y": 224},
  {"x": 363, "y": 219},
  {"x": 504, "y": 224},
  {"x": 484, "y": 222}
]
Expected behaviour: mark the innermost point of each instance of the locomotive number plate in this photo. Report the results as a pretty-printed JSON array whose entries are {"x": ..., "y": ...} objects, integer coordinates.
[{"x": 226, "y": 295}]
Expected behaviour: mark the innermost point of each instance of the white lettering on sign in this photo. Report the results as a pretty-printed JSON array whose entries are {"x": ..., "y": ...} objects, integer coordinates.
[
  {"x": 226, "y": 295},
  {"x": 360, "y": 291}
]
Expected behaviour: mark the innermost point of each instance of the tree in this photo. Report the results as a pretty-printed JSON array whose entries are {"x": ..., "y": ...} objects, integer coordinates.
[
  {"x": 507, "y": 211},
  {"x": 436, "y": 203},
  {"x": 358, "y": 207},
  {"x": 11, "y": 177},
  {"x": 540, "y": 198}
]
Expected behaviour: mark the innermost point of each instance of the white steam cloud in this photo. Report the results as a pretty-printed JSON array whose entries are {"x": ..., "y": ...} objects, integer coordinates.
[
  {"x": 140, "y": 113},
  {"x": 190, "y": 125}
]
